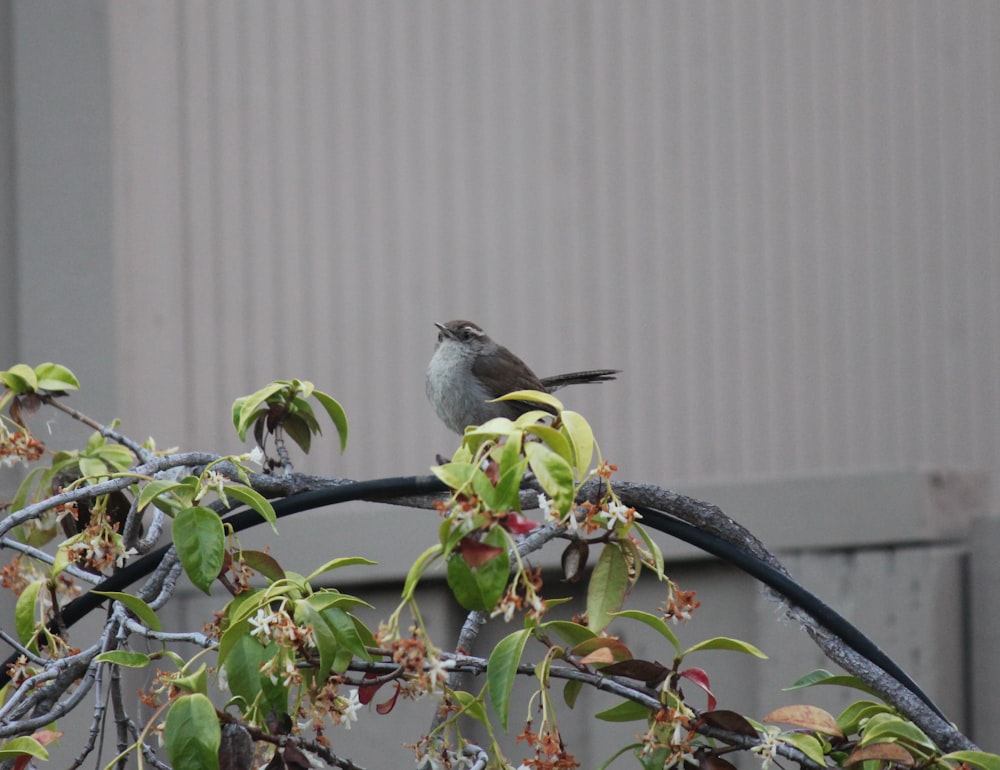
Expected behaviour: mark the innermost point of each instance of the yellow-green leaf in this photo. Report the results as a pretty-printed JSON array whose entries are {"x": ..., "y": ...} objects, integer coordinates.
[
  {"x": 24, "y": 611},
  {"x": 553, "y": 473},
  {"x": 137, "y": 606},
  {"x": 608, "y": 586},
  {"x": 533, "y": 396},
  {"x": 501, "y": 670},
  {"x": 55, "y": 378},
  {"x": 980, "y": 759},
  {"x": 24, "y": 745},
  {"x": 336, "y": 413},
  {"x": 581, "y": 437},
  {"x": 653, "y": 621},
  {"x": 725, "y": 643},
  {"x": 20, "y": 379},
  {"x": 124, "y": 658}
]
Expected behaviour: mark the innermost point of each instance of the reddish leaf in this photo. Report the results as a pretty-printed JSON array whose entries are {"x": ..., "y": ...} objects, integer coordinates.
[
  {"x": 809, "y": 717},
  {"x": 475, "y": 553},
  {"x": 891, "y": 752},
  {"x": 650, "y": 672},
  {"x": 600, "y": 655},
  {"x": 729, "y": 720},
  {"x": 517, "y": 524},
  {"x": 387, "y": 706},
  {"x": 618, "y": 649},
  {"x": 45, "y": 737},
  {"x": 700, "y": 678},
  {"x": 491, "y": 469},
  {"x": 367, "y": 691}
]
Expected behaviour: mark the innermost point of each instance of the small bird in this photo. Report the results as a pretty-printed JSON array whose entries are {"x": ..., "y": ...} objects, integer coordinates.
[{"x": 468, "y": 369}]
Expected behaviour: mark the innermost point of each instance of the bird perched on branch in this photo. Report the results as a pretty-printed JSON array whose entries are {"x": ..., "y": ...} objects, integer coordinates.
[{"x": 468, "y": 369}]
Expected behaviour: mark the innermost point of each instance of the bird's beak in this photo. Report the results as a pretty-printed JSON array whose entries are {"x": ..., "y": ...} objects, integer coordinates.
[{"x": 443, "y": 329}]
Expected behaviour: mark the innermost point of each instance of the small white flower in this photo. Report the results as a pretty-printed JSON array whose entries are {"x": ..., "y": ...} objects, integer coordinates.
[
  {"x": 256, "y": 456},
  {"x": 291, "y": 672},
  {"x": 222, "y": 680},
  {"x": 438, "y": 671},
  {"x": 262, "y": 623},
  {"x": 215, "y": 480},
  {"x": 546, "y": 505},
  {"x": 620, "y": 514},
  {"x": 349, "y": 712},
  {"x": 768, "y": 747},
  {"x": 123, "y": 557}
]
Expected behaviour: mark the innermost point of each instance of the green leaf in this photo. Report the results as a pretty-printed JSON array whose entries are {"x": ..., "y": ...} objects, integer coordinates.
[
  {"x": 263, "y": 563},
  {"x": 480, "y": 588},
  {"x": 158, "y": 487},
  {"x": 254, "y": 499},
  {"x": 653, "y": 549},
  {"x": 572, "y": 633},
  {"x": 571, "y": 692},
  {"x": 607, "y": 588},
  {"x": 889, "y": 727},
  {"x": 326, "y": 640},
  {"x": 242, "y": 661},
  {"x": 980, "y": 759},
  {"x": 725, "y": 643},
  {"x": 505, "y": 496},
  {"x": 192, "y": 735},
  {"x": 851, "y": 717},
  {"x": 331, "y": 597},
  {"x": 24, "y": 611},
  {"x": 418, "y": 569},
  {"x": 501, "y": 670},
  {"x": 535, "y": 397},
  {"x": 336, "y": 413},
  {"x": 344, "y": 561},
  {"x": 93, "y": 467},
  {"x": 200, "y": 541},
  {"x": 554, "y": 474},
  {"x": 124, "y": 658},
  {"x": 822, "y": 676},
  {"x": 195, "y": 682},
  {"x": 297, "y": 429},
  {"x": 626, "y": 711},
  {"x": 455, "y": 475},
  {"x": 471, "y": 706},
  {"x": 346, "y": 632},
  {"x": 20, "y": 378},
  {"x": 137, "y": 606},
  {"x": 554, "y": 440},
  {"x": 653, "y": 621},
  {"x": 56, "y": 378},
  {"x": 25, "y": 745},
  {"x": 808, "y": 745},
  {"x": 245, "y": 408},
  {"x": 581, "y": 437},
  {"x": 118, "y": 457}
]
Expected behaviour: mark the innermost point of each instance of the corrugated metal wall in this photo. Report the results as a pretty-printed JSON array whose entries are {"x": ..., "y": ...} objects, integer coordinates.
[{"x": 779, "y": 218}]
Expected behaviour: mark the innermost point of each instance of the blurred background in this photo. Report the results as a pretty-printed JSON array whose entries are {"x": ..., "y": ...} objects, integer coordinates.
[{"x": 780, "y": 219}]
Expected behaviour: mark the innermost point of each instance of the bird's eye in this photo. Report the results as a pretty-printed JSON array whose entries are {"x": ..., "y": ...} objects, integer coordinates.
[{"x": 466, "y": 334}]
